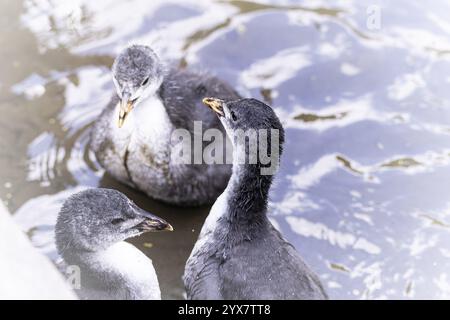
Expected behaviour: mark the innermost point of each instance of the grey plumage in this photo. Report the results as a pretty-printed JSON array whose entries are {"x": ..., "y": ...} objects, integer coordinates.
[
  {"x": 135, "y": 65},
  {"x": 239, "y": 254},
  {"x": 90, "y": 232},
  {"x": 141, "y": 155}
]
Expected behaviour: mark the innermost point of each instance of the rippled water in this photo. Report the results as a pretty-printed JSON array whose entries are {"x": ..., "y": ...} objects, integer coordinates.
[{"x": 362, "y": 192}]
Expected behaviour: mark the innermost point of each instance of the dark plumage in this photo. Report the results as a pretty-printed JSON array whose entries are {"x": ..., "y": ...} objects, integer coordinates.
[
  {"x": 239, "y": 254},
  {"x": 150, "y": 104}
]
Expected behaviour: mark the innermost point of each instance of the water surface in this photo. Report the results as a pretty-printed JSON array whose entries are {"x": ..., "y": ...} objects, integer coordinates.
[{"x": 362, "y": 190}]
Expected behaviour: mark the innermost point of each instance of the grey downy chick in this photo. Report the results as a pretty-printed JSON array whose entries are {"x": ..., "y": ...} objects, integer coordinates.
[
  {"x": 132, "y": 138},
  {"x": 90, "y": 233}
]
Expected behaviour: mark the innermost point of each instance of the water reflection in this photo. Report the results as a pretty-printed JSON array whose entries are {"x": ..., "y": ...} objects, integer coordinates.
[{"x": 362, "y": 188}]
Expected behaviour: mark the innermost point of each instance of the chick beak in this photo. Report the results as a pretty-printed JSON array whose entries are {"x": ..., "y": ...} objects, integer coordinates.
[
  {"x": 152, "y": 223},
  {"x": 126, "y": 105},
  {"x": 215, "y": 104}
]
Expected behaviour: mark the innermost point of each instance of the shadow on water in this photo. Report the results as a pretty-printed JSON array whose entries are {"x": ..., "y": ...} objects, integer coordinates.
[{"x": 362, "y": 188}]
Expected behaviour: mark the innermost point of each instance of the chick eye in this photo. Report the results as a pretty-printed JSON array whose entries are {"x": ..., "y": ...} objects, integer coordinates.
[
  {"x": 144, "y": 83},
  {"x": 233, "y": 116},
  {"x": 117, "y": 221}
]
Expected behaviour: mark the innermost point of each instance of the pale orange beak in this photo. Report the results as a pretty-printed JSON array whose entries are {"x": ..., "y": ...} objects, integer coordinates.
[
  {"x": 215, "y": 104},
  {"x": 126, "y": 105}
]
